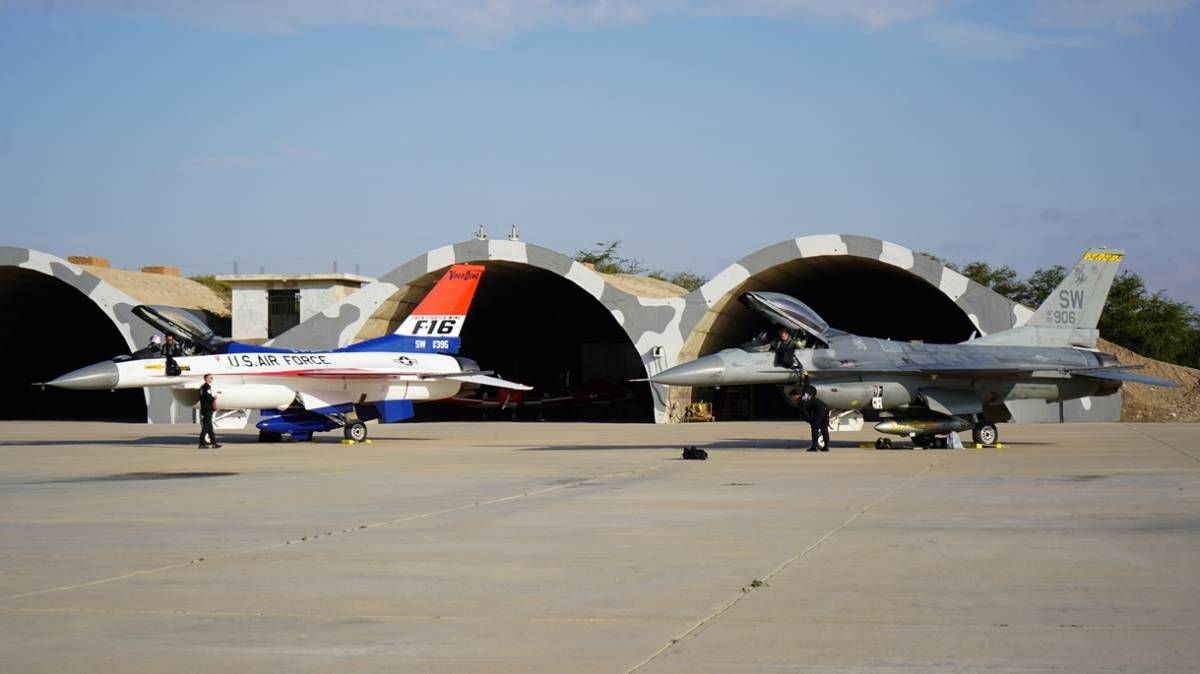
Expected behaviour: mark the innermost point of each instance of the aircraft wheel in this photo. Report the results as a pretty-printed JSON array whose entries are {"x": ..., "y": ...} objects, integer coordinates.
[
  {"x": 922, "y": 441},
  {"x": 269, "y": 436},
  {"x": 985, "y": 433},
  {"x": 356, "y": 431}
]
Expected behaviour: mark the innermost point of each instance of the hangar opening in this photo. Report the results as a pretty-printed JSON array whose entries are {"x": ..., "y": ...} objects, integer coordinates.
[
  {"x": 859, "y": 295},
  {"x": 48, "y": 328},
  {"x": 541, "y": 329}
]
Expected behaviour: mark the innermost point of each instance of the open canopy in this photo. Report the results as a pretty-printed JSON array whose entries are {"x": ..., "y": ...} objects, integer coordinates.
[
  {"x": 789, "y": 312},
  {"x": 183, "y": 324}
]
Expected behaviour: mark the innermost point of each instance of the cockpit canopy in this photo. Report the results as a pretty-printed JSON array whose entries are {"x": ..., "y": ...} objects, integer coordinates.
[
  {"x": 187, "y": 327},
  {"x": 790, "y": 312}
]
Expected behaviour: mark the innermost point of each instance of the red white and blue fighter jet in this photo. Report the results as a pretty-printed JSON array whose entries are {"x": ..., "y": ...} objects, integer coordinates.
[{"x": 302, "y": 392}]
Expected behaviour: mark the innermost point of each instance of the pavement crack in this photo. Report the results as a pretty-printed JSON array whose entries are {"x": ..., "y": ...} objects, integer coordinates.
[
  {"x": 527, "y": 493},
  {"x": 1164, "y": 443},
  {"x": 763, "y": 582}
]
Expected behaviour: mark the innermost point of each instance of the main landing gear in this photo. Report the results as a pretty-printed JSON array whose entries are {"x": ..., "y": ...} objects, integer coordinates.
[
  {"x": 985, "y": 433},
  {"x": 355, "y": 431}
]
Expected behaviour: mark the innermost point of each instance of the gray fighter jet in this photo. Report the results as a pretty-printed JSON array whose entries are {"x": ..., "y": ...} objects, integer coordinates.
[{"x": 927, "y": 390}]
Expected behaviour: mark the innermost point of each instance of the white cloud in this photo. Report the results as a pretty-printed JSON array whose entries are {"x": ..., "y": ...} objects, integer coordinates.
[
  {"x": 1126, "y": 16},
  {"x": 484, "y": 19},
  {"x": 874, "y": 14},
  {"x": 989, "y": 43}
]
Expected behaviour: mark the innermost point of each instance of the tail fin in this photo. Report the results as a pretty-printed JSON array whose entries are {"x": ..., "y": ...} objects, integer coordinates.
[
  {"x": 438, "y": 320},
  {"x": 1070, "y": 314},
  {"x": 1077, "y": 302},
  {"x": 444, "y": 310}
]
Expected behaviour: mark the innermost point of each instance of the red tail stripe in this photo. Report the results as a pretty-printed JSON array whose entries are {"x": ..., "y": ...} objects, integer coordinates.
[{"x": 452, "y": 295}]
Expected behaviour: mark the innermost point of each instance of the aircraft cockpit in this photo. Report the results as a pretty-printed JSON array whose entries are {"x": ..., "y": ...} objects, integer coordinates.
[
  {"x": 192, "y": 333},
  {"x": 787, "y": 311}
]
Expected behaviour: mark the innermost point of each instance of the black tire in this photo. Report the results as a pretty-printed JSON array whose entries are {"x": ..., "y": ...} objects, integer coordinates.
[
  {"x": 922, "y": 441},
  {"x": 270, "y": 436},
  {"x": 985, "y": 433},
  {"x": 356, "y": 431}
]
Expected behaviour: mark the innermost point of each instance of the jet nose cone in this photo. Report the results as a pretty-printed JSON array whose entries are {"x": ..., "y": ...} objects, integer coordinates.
[
  {"x": 706, "y": 371},
  {"x": 91, "y": 378}
]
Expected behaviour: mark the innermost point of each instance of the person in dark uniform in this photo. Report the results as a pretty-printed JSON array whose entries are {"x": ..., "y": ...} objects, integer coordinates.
[
  {"x": 208, "y": 439},
  {"x": 785, "y": 346},
  {"x": 171, "y": 350},
  {"x": 816, "y": 412}
]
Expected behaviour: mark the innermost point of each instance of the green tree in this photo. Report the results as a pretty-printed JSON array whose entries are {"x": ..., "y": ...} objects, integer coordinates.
[
  {"x": 604, "y": 259},
  {"x": 221, "y": 288},
  {"x": 1003, "y": 279},
  {"x": 1040, "y": 284},
  {"x": 684, "y": 279},
  {"x": 1151, "y": 324}
]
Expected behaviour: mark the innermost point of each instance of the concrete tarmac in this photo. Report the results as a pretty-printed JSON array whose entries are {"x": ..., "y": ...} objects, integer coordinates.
[{"x": 592, "y": 548}]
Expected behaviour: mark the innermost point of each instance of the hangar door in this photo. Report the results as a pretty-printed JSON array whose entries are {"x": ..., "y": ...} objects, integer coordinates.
[{"x": 48, "y": 328}]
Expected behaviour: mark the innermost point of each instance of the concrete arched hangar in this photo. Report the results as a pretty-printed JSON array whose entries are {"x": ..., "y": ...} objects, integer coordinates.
[
  {"x": 578, "y": 336},
  {"x": 55, "y": 317}
]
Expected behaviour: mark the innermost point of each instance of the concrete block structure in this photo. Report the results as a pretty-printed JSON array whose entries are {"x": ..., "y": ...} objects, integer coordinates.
[{"x": 266, "y": 305}]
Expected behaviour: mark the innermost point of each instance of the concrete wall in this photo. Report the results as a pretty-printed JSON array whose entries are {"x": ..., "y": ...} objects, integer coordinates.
[
  {"x": 251, "y": 307},
  {"x": 249, "y": 311}
]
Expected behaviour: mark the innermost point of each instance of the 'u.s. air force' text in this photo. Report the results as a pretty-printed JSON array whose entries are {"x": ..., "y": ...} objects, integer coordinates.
[{"x": 273, "y": 359}]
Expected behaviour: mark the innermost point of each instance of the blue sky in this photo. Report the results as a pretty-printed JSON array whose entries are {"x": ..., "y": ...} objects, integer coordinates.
[{"x": 287, "y": 135}]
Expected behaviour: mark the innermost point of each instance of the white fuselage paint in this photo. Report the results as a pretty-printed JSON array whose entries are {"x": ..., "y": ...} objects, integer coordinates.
[{"x": 263, "y": 380}]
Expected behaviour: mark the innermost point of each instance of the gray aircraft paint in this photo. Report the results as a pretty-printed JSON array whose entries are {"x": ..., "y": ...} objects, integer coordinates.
[
  {"x": 649, "y": 322},
  {"x": 1051, "y": 358},
  {"x": 665, "y": 323}
]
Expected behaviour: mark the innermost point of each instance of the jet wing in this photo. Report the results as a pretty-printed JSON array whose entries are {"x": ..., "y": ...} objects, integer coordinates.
[
  {"x": 481, "y": 378},
  {"x": 1115, "y": 374},
  {"x": 353, "y": 373},
  {"x": 975, "y": 369}
]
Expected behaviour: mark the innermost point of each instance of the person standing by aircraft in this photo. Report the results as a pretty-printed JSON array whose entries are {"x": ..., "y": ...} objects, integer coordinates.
[
  {"x": 817, "y": 413},
  {"x": 208, "y": 439}
]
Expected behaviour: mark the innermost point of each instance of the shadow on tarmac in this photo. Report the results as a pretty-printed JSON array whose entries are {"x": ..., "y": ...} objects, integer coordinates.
[
  {"x": 184, "y": 440},
  {"x": 125, "y": 477},
  {"x": 724, "y": 445}
]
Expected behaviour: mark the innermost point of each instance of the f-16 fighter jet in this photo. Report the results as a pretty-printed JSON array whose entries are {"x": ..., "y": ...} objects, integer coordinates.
[
  {"x": 924, "y": 390},
  {"x": 302, "y": 392}
]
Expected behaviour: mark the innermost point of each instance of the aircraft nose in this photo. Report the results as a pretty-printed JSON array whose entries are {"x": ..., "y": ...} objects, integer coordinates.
[
  {"x": 706, "y": 371},
  {"x": 91, "y": 378}
]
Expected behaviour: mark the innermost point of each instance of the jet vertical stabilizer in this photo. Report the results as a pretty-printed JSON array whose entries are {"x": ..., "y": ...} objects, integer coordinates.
[
  {"x": 1069, "y": 315},
  {"x": 437, "y": 322}
]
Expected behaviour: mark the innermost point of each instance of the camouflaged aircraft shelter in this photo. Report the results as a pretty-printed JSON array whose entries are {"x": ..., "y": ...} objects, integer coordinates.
[
  {"x": 56, "y": 317},
  {"x": 546, "y": 320}
]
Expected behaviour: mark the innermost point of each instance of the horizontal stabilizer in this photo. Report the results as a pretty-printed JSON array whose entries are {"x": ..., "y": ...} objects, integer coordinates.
[
  {"x": 484, "y": 380},
  {"x": 1121, "y": 374}
]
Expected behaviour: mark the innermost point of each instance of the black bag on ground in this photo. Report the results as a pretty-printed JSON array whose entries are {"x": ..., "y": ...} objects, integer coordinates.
[{"x": 694, "y": 454}]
